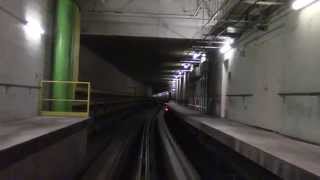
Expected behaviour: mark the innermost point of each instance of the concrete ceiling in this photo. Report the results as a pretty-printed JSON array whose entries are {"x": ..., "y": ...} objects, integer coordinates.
[
  {"x": 147, "y": 38},
  {"x": 149, "y": 60},
  {"x": 182, "y": 19}
]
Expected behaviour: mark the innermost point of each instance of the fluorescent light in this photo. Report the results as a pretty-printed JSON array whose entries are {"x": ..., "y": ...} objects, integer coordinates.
[
  {"x": 230, "y": 54},
  {"x": 33, "y": 28},
  {"x": 186, "y": 66},
  {"x": 229, "y": 41},
  {"x": 231, "y": 29},
  {"x": 223, "y": 37},
  {"x": 203, "y": 58},
  {"x": 227, "y": 45},
  {"x": 196, "y": 55},
  {"x": 225, "y": 48},
  {"x": 299, "y": 4}
]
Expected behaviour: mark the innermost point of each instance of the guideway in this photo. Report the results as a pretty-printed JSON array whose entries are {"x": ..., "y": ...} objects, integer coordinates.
[
  {"x": 138, "y": 146},
  {"x": 175, "y": 143},
  {"x": 113, "y": 160}
]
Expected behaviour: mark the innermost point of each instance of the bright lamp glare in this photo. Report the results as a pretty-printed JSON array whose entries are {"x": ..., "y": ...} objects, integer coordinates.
[
  {"x": 203, "y": 59},
  {"x": 33, "y": 28},
  {"x": 299, "y": 4},
  {"x": 196, "y": 55},
  {"x": 186, "y": 66},
  {"x": 229, "y": 41},
  {"x": 231, "y": 29},
  {"x": 227, "y": 45},
  {"x": 225, "y": 48}
]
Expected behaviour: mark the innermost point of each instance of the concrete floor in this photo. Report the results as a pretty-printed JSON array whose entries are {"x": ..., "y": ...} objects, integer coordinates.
[
  {"x": 288, "y": 158},
  {"x": 42, "y": 148},
  {"x": 13, "y": 133}
]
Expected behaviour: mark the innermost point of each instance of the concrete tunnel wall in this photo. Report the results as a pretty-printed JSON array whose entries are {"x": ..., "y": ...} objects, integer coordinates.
[
  {"x": 24, "y": 60},
  {"x": 105, "y": 77},
  {"x": 284, "y": 59}
]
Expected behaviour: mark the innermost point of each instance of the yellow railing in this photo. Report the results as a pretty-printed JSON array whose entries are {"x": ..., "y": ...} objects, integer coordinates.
[{"x": 48, "y": 99}]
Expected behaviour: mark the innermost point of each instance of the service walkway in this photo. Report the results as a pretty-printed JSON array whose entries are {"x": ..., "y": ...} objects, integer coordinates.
[
  {"x": 42, "y": 148},
  {"x": 287, "y": 158}
]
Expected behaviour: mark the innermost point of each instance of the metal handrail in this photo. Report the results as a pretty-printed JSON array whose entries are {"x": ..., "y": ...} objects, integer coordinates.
[
  {"x": 66, "y": 82},
  {"x": 65, "y": 100},
  {"x": 59, "y": 113}
]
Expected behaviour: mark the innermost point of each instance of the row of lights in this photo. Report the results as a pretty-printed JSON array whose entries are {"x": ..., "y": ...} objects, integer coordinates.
[
  {"x": 198, "y": 57},
  {"x": 228, "y": 41},
  {"x": 33, "y": 27},
  {"x": 188, "y": 67},
  {"x": 296, "y": 5}
]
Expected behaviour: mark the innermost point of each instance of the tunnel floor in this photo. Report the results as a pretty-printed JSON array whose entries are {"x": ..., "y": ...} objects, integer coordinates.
[{"x": 149, "y": 144}]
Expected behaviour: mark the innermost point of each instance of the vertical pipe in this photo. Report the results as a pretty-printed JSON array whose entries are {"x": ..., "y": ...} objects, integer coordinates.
[
  {"x": 76, "y": 43},
  {"x": 63, "y": 64},
  {"x": 74, "y": 73}
]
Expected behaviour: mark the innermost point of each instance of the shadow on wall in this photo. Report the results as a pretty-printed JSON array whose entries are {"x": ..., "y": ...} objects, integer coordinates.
[{"x": 105, "y": 77}]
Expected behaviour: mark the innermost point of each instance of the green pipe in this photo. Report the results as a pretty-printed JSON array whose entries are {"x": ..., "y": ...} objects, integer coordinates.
[{"x": 63, "y": 63}]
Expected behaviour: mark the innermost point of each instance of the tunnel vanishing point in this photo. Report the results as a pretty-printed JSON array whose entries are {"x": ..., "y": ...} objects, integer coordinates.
[{"x": 159, "y": 90}]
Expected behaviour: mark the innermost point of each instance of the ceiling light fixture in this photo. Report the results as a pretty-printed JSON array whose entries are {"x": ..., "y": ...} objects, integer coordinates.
[
  {"x": 227, "y": 45},
  {"x": 225, "y": 48},
  {"x": 191, "y": 68},
  {"x": 33, "y": 28},
  {"x": 229, "y": 41},
  {"x": 186, "y": 66},
  {"x": 196, "y": 55},
  {"x": 203, "y": 58},
  {"x": 299, "y": 4},
  {"x": 231, "y": 29}
]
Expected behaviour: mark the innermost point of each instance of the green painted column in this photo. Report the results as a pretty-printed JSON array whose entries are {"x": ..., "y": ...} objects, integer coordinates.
[{"x": 65, "y": 49}]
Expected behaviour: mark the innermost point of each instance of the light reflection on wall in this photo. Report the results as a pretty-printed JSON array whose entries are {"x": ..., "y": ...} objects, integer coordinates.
[{"x": 33, "y": 29}]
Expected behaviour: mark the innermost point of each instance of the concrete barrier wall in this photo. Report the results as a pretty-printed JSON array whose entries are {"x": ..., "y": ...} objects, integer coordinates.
[
  {"x": 283, "y": 59},
  {"x": 24, "y": 59},
  {"x": 104, "y": 76},
  {"x": 61, "y": 160}
]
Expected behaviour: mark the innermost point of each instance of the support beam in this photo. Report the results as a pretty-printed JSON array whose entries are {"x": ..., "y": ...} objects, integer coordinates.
[{"x": 66, "y": 52}]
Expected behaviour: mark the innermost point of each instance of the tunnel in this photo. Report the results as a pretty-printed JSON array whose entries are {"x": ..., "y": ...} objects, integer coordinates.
[{"x": 159, "y": 90}]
